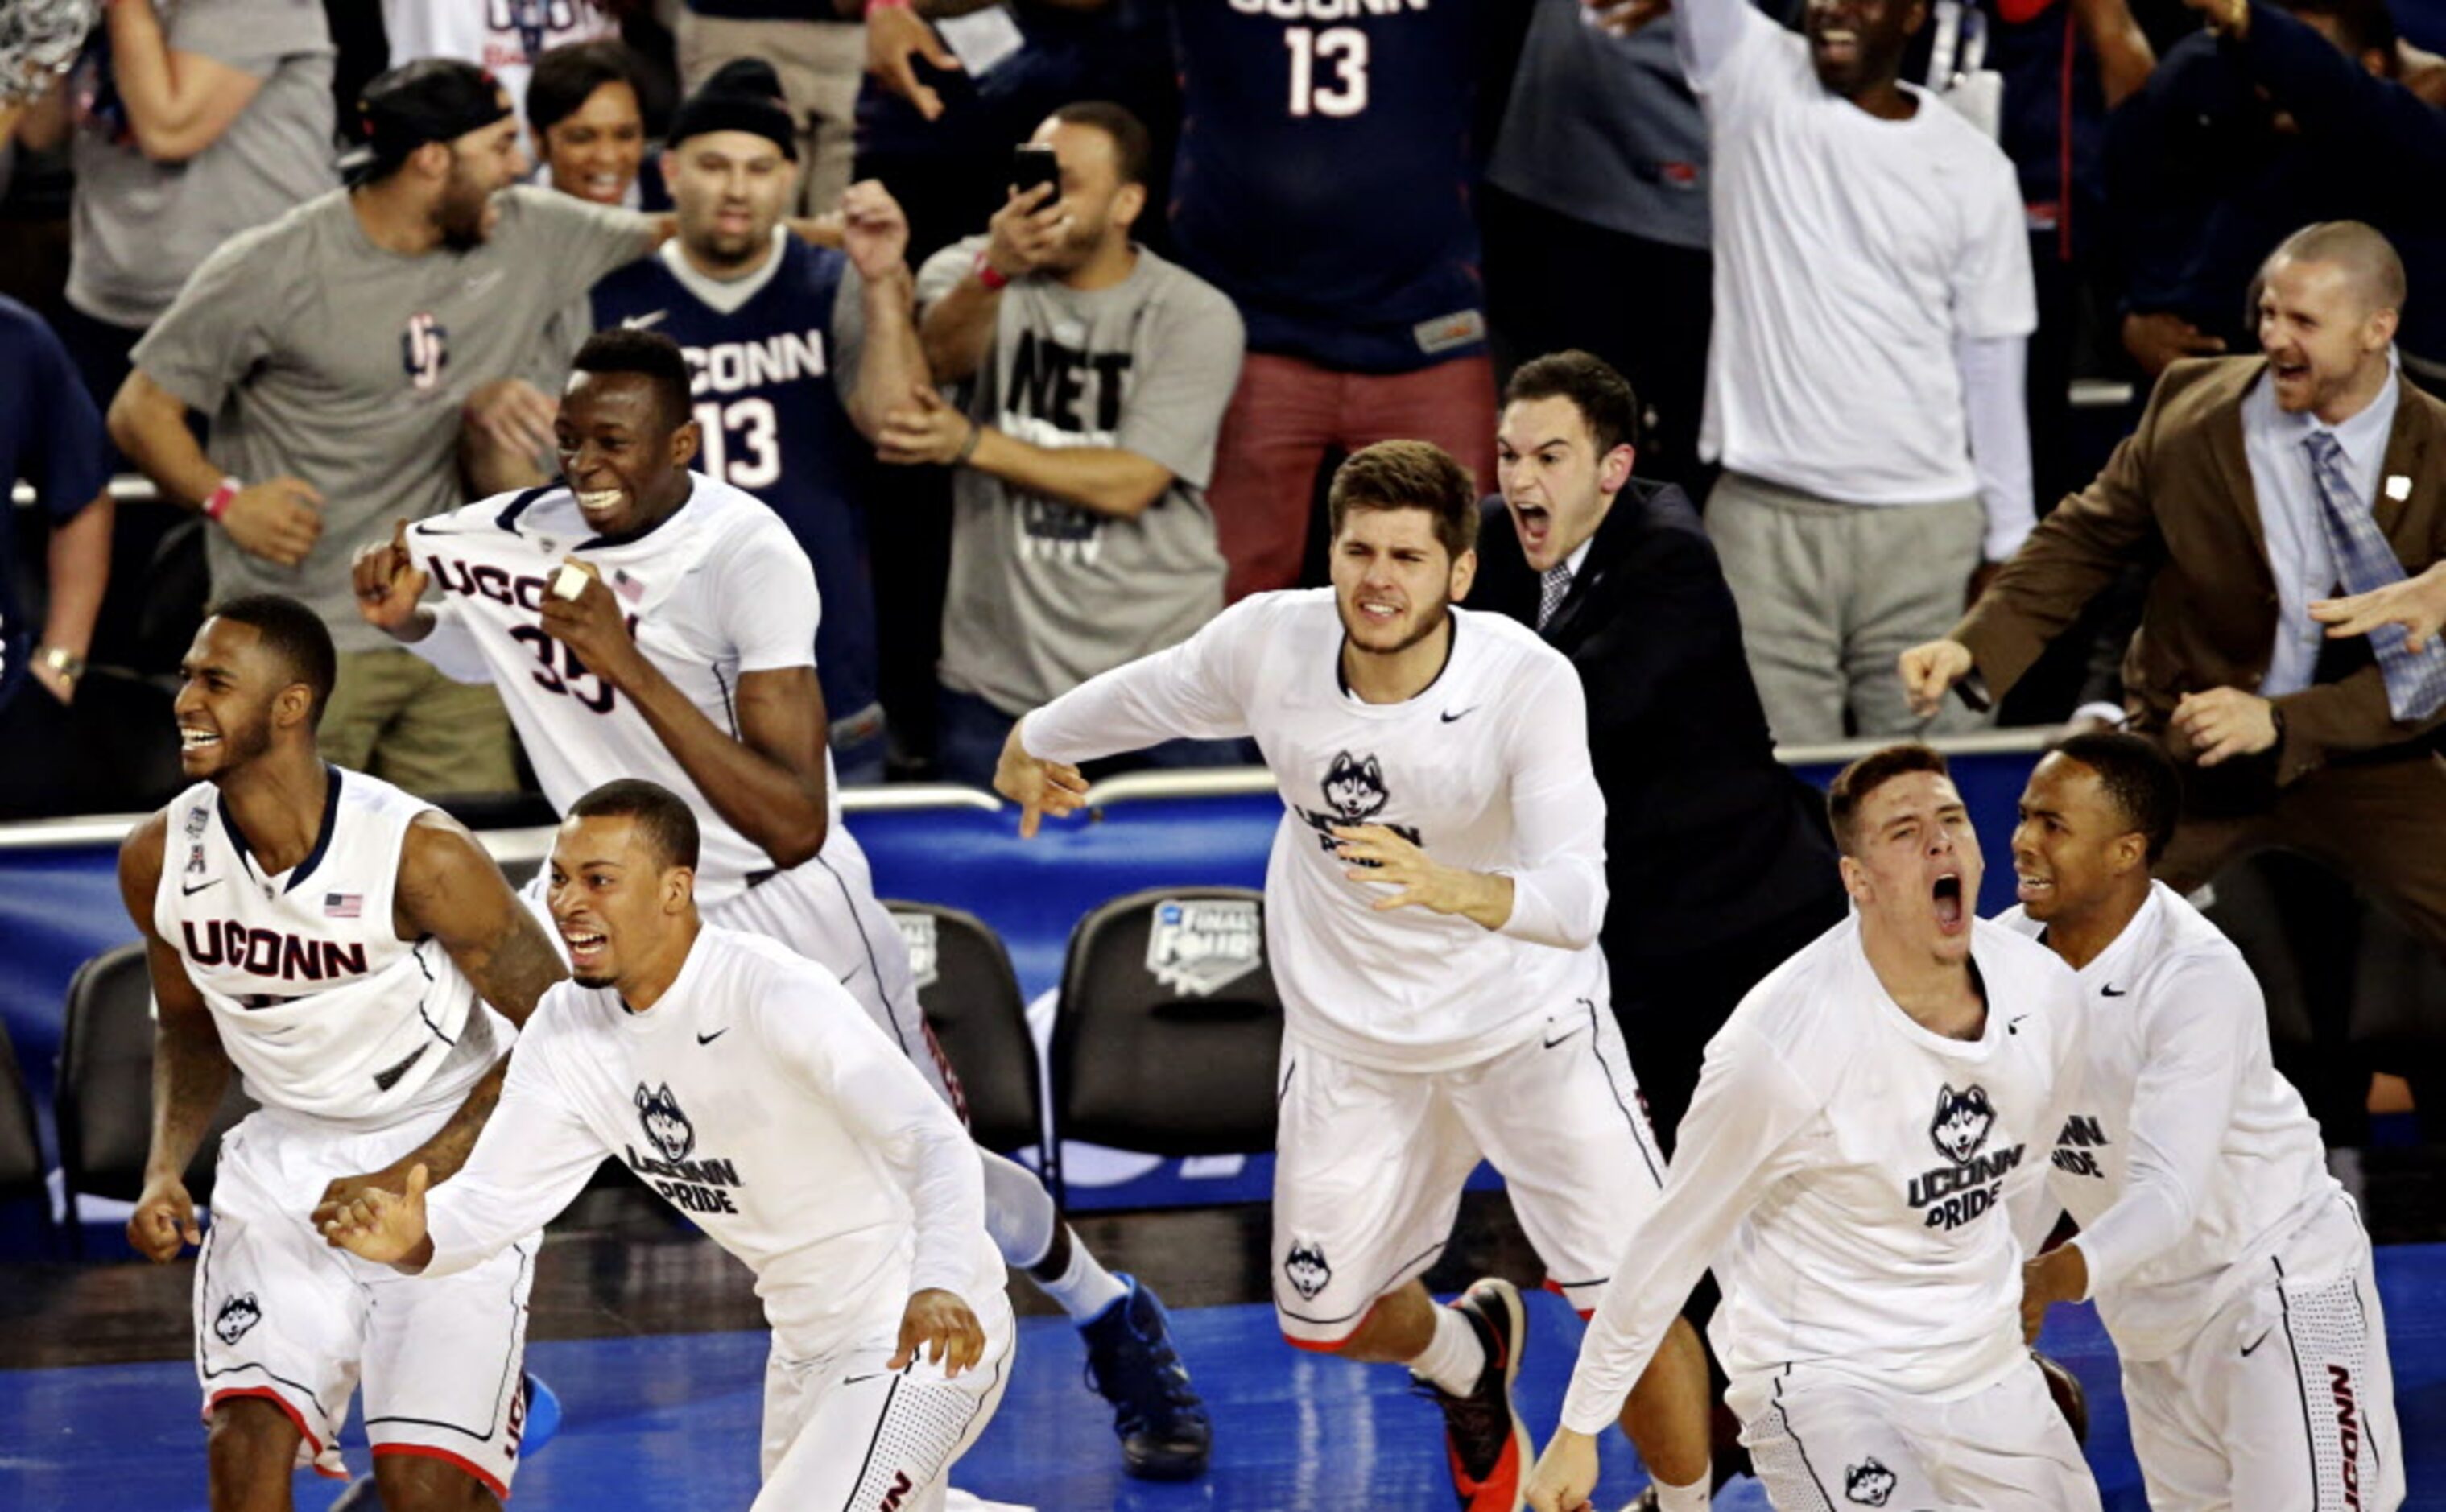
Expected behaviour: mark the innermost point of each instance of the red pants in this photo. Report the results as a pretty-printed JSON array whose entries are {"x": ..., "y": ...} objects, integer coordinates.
[{"x": 1287, "y": 414}]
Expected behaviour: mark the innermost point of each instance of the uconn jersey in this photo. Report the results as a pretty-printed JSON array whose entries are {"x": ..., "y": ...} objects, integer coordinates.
[
  {"x": 718, "y": 590},
  {"x": 321, "y": 1007},
  {"x": 1848, "y": 1174},
  {"x": 1487, "y": 768},
  {"x": 767, "y": 374},
  {"x": 1279, "y": 98}
]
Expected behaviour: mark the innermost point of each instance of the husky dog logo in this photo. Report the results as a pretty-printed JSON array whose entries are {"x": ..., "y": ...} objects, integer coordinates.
[
  {"x": 237, "y": 1315},
  {"x": 1355, "y": 789},
  {"x": 917, "y": 932},
  {"x": 667, "y": 1128},
  {"x": 1961, "y": 1122},
  {"x": 1868, "y": 1483},
  {"x": 1198, "y": 946},
  {"x": 1306, "y": 1269}
]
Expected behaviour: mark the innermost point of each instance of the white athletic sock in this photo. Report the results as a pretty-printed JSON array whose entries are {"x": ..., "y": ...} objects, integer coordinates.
[
  {"x": 1454, "y": 1359},
  {"x": 1085, "y": 1288},
  {"x": 1691, "y": 1498}
]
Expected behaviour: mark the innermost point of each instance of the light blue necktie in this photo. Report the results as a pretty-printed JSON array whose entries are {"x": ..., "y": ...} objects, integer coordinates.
[{"x": 2416, "y": 682}]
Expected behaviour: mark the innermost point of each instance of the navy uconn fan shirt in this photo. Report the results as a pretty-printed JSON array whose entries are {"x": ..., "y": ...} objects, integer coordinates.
[
  {"x": 765, "y": 380},
  {"x": 1324, "y": 171}
]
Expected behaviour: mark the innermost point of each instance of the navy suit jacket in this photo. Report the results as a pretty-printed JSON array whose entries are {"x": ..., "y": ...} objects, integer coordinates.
[{"x": 1708, "y": 838}]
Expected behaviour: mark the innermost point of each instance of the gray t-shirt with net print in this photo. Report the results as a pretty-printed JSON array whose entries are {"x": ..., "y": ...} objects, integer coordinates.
[{"x": 1044, "y": 595}]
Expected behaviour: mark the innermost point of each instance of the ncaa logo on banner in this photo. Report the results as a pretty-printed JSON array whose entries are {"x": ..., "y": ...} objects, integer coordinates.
[
  {"x": 1200, "y": 946},
  {"x": 425, "y": 349},
  {"x": 925, "y": 946}
]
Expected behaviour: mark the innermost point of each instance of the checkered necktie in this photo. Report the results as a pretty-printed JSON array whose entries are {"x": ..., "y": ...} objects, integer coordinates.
[
  {"x": 1556, "y": 583},
  {"x": 2416, "y": 684}
]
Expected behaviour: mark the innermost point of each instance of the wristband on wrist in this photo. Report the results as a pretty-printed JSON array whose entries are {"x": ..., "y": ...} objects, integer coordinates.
[
  {"x": 988, "y": 273},
  {"x": 218, "y": 502},
  {"x": 969, "y": 447}
]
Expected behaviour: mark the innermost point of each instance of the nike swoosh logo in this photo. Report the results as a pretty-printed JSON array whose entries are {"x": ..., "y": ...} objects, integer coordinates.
[
  {"x": 1471, "y": 709},
  {"x": 2255, "y": 1343},
  {"x": 1558, "y": 1039},
  {"x": 644, "y": 322},
  {"x": 2110, "y": 989},
  {"x": 2015, "y": 1026},
  {"x": 707, "y": 1039},
  {"x": 191, "y": 892}
]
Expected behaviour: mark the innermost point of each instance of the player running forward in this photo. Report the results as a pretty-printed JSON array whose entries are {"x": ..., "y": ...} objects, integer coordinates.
[
  {"x": 757, "y": 1097},
  {"x": 2230, "y": 1268},
  {"x": 1432, "y": 905},
  {"x": 643, "y": 619},
  {"x": 327, "y": 937},
  {"x": 1861, "y": 1124}
]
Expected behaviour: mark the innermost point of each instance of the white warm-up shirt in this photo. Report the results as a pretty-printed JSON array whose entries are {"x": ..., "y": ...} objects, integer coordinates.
[
  {"x": 718, "y": 590},
  {"x": 322, "y": 1008},
  {"x": 1486, "y": 769},
  {"x": 1847, "y": 1173},
  {"x": 1853, "y": 257},
  {"x": 757, "y": 1097},
  {"x": 2185, "y": 1158}
]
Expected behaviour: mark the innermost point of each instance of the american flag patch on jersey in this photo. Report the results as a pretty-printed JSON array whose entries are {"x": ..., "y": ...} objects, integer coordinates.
[
  {"x": 628, "y": 587},
  {"x": 343, "y": 905}
]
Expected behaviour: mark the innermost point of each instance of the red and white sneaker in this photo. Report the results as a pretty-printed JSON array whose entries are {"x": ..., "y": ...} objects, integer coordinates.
[{"x": 1486, "y": 1446}]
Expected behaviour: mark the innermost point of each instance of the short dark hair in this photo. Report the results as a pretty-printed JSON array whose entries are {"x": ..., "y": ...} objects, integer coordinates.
[
  {"x": 294, "y": 634},
  {"x": 648, "y": 353},
  {"x": 1408, "y": 475},
  {"x": 1854, "y": 783},
  {"x": 567, "y": 76},
  {"x": 662, "y": 816},
  {"x": 1132, "y": 150},
  {"x": 1604, "y": 397},
  {"x": 2138, "y": 779}
]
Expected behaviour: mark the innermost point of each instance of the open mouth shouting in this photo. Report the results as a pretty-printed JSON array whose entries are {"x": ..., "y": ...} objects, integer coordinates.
[
  {"x": 587, "y": 948},
  {"x": 1952, "y": 917},
  {"x": 1536, "y": 526}
]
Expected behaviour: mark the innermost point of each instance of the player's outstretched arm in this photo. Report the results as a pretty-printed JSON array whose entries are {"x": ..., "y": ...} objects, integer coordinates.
[
  {"x": 1038, "y": 786},
  {"x": 891, "y": 358},
  {"x": 937, "y": 1323},
  {"x": 450, "y": 891},
  {"x": 191, "y": 1070},
  {"x": 2419, "y": 604},
  {"x": 1566, "y": 1476},
  {"x": 382, "y": 1226}
]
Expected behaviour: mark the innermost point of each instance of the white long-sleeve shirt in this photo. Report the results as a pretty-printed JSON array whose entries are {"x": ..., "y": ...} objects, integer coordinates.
[
  {"x": 2185, "y": 1158},
  {"x": 1486, "y": 769},
  {"x": 757, "y": 1097},
  {"x": 1872, "y": 285},
  {"x": 1847, "y": 1173}
]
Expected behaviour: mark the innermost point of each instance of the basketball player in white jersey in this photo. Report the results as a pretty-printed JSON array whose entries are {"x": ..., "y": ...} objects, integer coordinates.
[
  {"x": 741, "y": 1084},
  {"x": 336, "y": 942},
  {"x": 1432, "y": 905},
  {"x": 2230, "y": 1268},
  {"x": 687, "y": 654},
  {"x": 1860, "y": 1125}
]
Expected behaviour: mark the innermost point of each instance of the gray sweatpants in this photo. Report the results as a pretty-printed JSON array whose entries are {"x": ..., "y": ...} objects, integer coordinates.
[{"x": 1830, "y": 597}]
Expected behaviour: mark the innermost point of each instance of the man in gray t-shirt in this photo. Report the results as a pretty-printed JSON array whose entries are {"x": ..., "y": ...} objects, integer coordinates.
[
  {"x": 334, "y": 351},
  {"x": 1098, "y": 374},
  {"x": 168, "y": 174}
]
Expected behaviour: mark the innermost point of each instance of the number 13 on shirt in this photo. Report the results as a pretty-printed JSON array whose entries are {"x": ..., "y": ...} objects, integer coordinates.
[
  {"x": 1342, "y": 51},
  {"x": 758, "y": 438}
]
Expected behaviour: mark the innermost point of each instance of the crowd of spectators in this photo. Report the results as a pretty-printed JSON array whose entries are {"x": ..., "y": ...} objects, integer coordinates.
[{"x": 1853, "y": 307}]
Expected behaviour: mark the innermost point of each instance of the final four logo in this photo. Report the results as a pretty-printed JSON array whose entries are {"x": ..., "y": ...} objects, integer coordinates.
[{"x": 1200, "y": 946}]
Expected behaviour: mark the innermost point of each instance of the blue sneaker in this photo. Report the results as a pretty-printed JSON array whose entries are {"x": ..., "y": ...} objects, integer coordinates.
[
  {"x": 543, "y": 1416},
  {"x": 1161, "y": 1422}
]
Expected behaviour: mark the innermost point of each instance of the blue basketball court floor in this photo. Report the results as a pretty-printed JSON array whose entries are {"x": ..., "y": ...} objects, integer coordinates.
[{"x": 669, "y": 1421}]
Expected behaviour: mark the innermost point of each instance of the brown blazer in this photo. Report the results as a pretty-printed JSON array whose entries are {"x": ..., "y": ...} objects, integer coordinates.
[{"x": 2177, "y": 496}]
